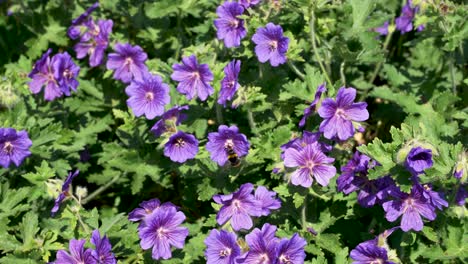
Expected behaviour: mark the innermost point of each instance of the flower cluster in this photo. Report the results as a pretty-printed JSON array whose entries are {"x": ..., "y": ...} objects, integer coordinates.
[
  {"x": 263, "y": 247},
  {"x": 159, "y": 227},
  {"x": 14, "y": 146},
  {"x": 403, "y": 23}
]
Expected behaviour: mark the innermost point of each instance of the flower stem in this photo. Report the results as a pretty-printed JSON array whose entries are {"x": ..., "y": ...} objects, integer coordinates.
[
  {"x": 100, "y": 190},
  {"x": 304, "y": 213},
  {"x": 314, "y": 47},
  {"x": 296, "y": 70},
  {"x": 219, "y": 114},
  {"x": 342, "y": 75},
  {"x": 250, "y": 117}
]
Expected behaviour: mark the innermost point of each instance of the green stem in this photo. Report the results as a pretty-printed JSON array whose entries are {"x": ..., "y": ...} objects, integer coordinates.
[
  {"x": 379, "y": 65},
  {"x": 304, "y": 214},
  {"x": 78, "y": 216},
  {"x": 342, "y": 75},
  {"x": 251, "y": 119},
  {"x": 313, "y": 193},
  {"x": 219, "y": 114},
  {"x": 452, "y": 76},
  {"x": 314, "y": 47},
  {"x": 296, "y": 70},
  {"x": 100, "y": 190}
]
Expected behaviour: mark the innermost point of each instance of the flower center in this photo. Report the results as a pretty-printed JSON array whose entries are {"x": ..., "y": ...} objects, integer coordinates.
[
  {"x": 377, "y": 261},
  {"x": 231, "y": 84},
  {"x": 128, "y": 61},
  {"x": 67, "y": 74},
  {"x": 161, "y": 232},
  {"x": 8, "y": 147},
  {"x": 341, "y": 113},
  {"x": 284, "y": 259},
  {"x": 236, "y": 204},
  {"x": 263, "y": 258},
  {"x": 409, "y": 202},
  {"x": 234, "y": 23},
  {"x": 310, "y": 164},
  {"x": 149, "y": 96},
  {"x": 228, "y": 144},
  {"x": 196, "y": 75},
  {"x": 273, "y": 45},
  {"x": 95, "y": 31},
  {"x": 225, "y": 252},
  {"x": 180, "y": 142}
]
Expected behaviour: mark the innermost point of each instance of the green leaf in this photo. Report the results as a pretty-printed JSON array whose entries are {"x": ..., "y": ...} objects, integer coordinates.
[{"x": 29, "y": 228}]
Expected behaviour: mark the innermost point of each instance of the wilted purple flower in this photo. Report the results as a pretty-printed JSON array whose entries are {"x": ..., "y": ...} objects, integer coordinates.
[
  {"x": 458, "y": 173},
  {"x": 14, "y": 146},
  {"x": 339, "y": 116},
  {"x": 94, "y": 42},
  {"x": 65, "y": 72},
  {"x": 272, "y": 45},
  {"x": 291, "y": 251},
  {"x": 219, "y": 143},
  {"x": 43, "y": 74},
  {"x": 249, "y": 3},
  {"x": 193, "y": 78},
  {"x": 64, "y": 193},
  {"x": 181, "y": 147},
  {"x": 366, "y": 253},
  {"x": 161, "y": 230},
  {"x": 311, "y": 109},
  {"x": 404, "y": 22},
  {"x": 266, "y": 200},
  {"x": 411, "y": 207},
  {"x": 461, "y": 195},
  {"x": 262, "y": 245},
  {"x": 77, "y": 255},
  {"x": 221, "y": 247},
  {"x": 229, "y": 84},
  {"x": 75, "y": 30},
  {"x": 435, "y": 198},
  {"x": 311, "y": 163},
  {"x": 418, "y": 160},
  {"x": 382, "y": 30},
  {"x": 147, "y": 208},
  {"x": 128, "y": 62},
  {"x": 229, "y": 27},
  {"x": 238, "y": 207},
  {"x": 169, "y": 120},
  {"x": 103, "y": 252},
  {"x": 148, "y": 96}
]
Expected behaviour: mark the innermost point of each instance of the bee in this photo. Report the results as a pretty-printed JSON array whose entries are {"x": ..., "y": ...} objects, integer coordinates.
[{"x": 233, "y": 158}]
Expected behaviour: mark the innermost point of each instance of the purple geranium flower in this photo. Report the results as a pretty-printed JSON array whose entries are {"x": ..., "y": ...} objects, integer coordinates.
[
  {"x": 382, "y": 30},
  {"x": 404, "y": 22},
  {"x": 193, "y": 78},
  {"x": 43, "y": 75},
  {"x": 238, "y": 207},
  {"x": 161, "y": 230},
  {"x": 128, "y": 62},
  {"x": 229, "y": 27},
  {"x": 411, "y": 207},
  {"x": 338, "y": 116},
  {"x": 266, "y": 200},
  {"x": 169, "y": 120},
  {"x": 418, "y": 160},
  {"x": 272, "y": 45},
  {"x": 14, "y": 146},
  {"x": 77, "y": 255},
  {"x": 229, "y": 85},
  {"x": 227, "y": 138},
  {"x": 262, "y": 245},
  {"x": 221, "y": 247},
  {"x": 103, "y": 252},
  {"x": 65, "y": 192},
  {"x": 148, "y": 96},
  {"x": 249, "y": 3},
  {"x": 94, "y": 42},
  {"x": 311, "y": 109},
  {"x": 367, "y": 253},
  {"x": 311, "y": 163},
  {"x": 181, "y": 147},
  {"x": 291, "y": 251},
  {"x": 65, "y": 71},
  {"x": 435, "y": 198},
  {"x": 375, "y": 191},
  {"x": 354, "y": 173},
  {"x": 308, "y": 138},
  {"x": 75, "y": 30},
  {"x": 147, "y": 208}
]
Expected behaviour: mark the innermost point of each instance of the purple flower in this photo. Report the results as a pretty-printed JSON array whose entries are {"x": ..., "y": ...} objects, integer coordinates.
[
  {"x": 181, "y": 147},
  {"x": 77, "y": 255},
  {"x": 229, "y": 27},
  {"x": 375, "y": 191},
  {"x": 338, "y": 116},
  {"x": 461, "y": 195},
  {"x": 308, "y": 138},
  {"x": 94, "y": 42},
  {"x": 404, "y": 22},
  {"x": 262, "y": 245},
  {"x": 103, "y": 252},
  {"x": 311, "y": 109},
  {"x": 14, "y": 146},
  {"x": 272, "y": 45},
  {"x": 354, "y": 173},
  {"x": 148, "y": 96},
  {"x": 411, "y": 207},
  {"x": 382, "y": 30},
  {"x": 221, "y": 247},
  {"x": 238, "y": 207},
  {"x": 418, "y": 160},
  {"x": 266, "y": 200},
  {"x": 75, "y": 30},
  {"x": 128, "y": 62},
  {"x": 458, "y": 173},
  {"x": 43, "y": 75},
  {"x": 291, "y": 251},
  {"x": 311, "y": 163},
  {"x": 64, "y": 193},
  {"x": 161, "y": 230},
  {"x": 169, "y": 120},
  {"x": 421, "y": 27},
  {"x": 435, "y": 198},
  {"x": 227, "y": 138},
  {"x": 229, "y": 84},
  {"x": 147, "y": 208},
  {"x": 65, "y": 71},
  {"x": 193, "y": 78},
  {"x": 366, "y": 253},
  {"x": 249, "y": 3}
]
